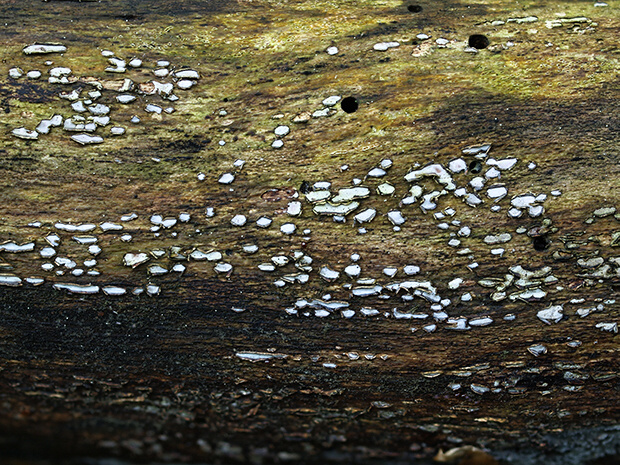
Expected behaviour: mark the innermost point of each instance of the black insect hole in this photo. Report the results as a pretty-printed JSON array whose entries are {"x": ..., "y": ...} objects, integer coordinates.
[
  {"x": 478, "y": 41},
  {"x": 541, "y": 243},
  {"x": 305, "y": 187},
  {"x": 475, "y": 167},
  {"x": 349, "y": 104},
  {"x": 414, "y": 8}
]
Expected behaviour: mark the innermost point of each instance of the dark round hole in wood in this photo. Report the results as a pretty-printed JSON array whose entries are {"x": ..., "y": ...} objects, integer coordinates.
[
  {"x": 475, "y": 166},
  {"x": 305, "y": 187},
  {"x": 414, "y": 8},
  {"x": 349, "y": 104},
  {"x": 478, "y": 41},
  {"x": 541, "y": 243}
]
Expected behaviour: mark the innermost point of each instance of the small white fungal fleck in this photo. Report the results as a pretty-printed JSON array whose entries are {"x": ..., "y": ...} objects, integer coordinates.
[
  {"x": 238, "y": 220},
  {"x": 365, "y": 216},
  {"x": 328, "y": 274},
  {"x": 611, "y": 327},
  {"x": 47, "y": 252},
  {"x": 264, "y": 222},
  {"x": 390, "y": 271},
  {"x": 483, "y": 321},
  {"x": 152, "y": 289},
  {"x": 114, "y": 290},
  {"x": 537, "y": 350},
  {"x": 385, "y": 189},
  {"x": 466, "y": 297},
  {"x": 551, "y": 314},
  {"x": 77, "y": 288},
  {"x": 185, "y": 84},
  {"x": 134, "y": 260},
  {"x": 226, "y": 178},
  {"x": 331, "y": 101},
  {"x": 376, "y": 173},
  {"x": 294, "y": 208},
  {"x": 85, "y": 139},
  {"x": 223, "y": 267},
  {"x": 332, "y": 50},
  {"x": 16, "y": 73},
  {"x": 353, "y": 271},
  {"x": 277, "y": 144},
  {"x": 288, "y": 228},
  {"x": 411, "y": 270},
  {"x": 383, "y": 46},
  {"x": 24, "y": 133},
  {"x": 281, "y": 131},
  {"x": 250, "y": 248}
]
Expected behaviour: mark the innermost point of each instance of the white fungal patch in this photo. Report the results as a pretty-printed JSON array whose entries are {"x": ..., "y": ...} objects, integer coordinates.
[
  {"x": 458, "y": 165},
  {"x": 318, "y": 196},
  {"x": 610, "y": 327},
  {"x": 226, "y": 178},
  {"x": 499, "y": 239},
  {"x": 353, "y": 271},
  {"x": 433, "y": 170},
  {"x": 497, "y": 192},
  {"x": 12, "y": 247},
  {"x": 396, "y": 217},
  {"x": 157, "y": 270},
  {"x": 365, "y": 216},
  {"x": 294, "y": 208},
  {"x": 85, "y": 139},
  {"x": 264, "y": 222},
  {"x": 288, "y": 228},
  {"x": 107, "y": 226},
  {"x": 480, "y": 151},
  {"x": 114, "y": 290},
  {"x": 376, "y": 173},
  {"x": 10, "y": 280},
  {"x": 328, "y": 274},
  {"x": 383, "y": 46},
  {"x": 223, "y": 267},
  {"x": 390, "y": 271},
  {"x": 331, "y": 101},
  {"x": 483, "y": 321},
  {"x": 537, "y": 350},
  {"x": 551, "y": 314},
  {"x": 281, "y": 131},
  {"x": 185, "y": 84},
  {"x": 47, "y": 252},
  {"x": 133, "y": 260},
  {"x": 258, "y": 356},
  {"x": 238, "y": 220},
  {"x": 351, "y": 193},
  {"x": 328, "y": 208},
  {"x": 385, "y": 189},
  {"x": 24, "y": 133},
  {"x": 152, "y": 289},
  {"x": 16, "y": 73},
  {"x": 333, "y": 50},
  {"x": 77, "y": 288}
]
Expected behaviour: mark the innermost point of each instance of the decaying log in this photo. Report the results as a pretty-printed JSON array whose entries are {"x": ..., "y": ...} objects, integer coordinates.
[{"x": 309, "y": 232}]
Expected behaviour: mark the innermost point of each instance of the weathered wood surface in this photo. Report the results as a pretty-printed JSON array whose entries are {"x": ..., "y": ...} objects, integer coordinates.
[{"x": 160, "y": 377}]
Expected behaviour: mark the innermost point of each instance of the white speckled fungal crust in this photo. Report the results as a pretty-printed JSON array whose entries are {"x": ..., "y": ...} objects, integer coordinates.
[
  {"x": 41, "y": 49},
  {"x": 551, "y": 314}
]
